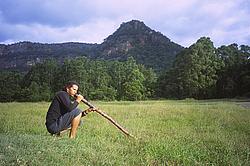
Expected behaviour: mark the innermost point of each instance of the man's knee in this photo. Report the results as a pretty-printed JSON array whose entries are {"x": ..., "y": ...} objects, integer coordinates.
[
  {"x": 79, "y": 115},
  {"x": 77, "y": 112}
]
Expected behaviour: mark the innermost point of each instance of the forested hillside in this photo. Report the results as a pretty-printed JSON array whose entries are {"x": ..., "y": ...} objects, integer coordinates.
[
  {"x": 200, "y": 71},
  {"x": 98, "y": 79},
  {"x": 134, "y": 63},
  {"x": 146, "y": 46},
  {"x": 22, "y": 56},
  {"x": 131, "y": 39}
]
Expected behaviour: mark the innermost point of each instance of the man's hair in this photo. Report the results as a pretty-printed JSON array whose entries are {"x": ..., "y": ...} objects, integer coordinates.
[{"x": 69, "y": 85}]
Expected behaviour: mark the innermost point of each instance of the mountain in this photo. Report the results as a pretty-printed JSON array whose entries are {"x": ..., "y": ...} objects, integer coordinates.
[
  {"x": 23, "y": 55},
  {"x": 147, "y": 46},
  {"x": 132, "y": 38}
]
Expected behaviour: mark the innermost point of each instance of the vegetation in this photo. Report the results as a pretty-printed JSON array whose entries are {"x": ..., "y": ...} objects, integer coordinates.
[
  {"x": 105, "y": 80},
  {"x": 187, "y": 132},
  {"x": 200, "y": 71},
  {"x": 131, "y": 39},
  {"x": 146, "y": 46},
  {"x": 184, "y": 132},
  {"x": 234, "y": 78}
]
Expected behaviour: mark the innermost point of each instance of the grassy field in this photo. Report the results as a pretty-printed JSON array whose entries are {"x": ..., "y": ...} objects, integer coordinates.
[{"x": 168, "y": 132}]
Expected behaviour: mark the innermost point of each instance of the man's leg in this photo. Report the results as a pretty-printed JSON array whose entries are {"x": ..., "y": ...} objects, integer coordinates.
[
  {"x": 74, "y": 125},
  {"x": 65, "y": 122}
]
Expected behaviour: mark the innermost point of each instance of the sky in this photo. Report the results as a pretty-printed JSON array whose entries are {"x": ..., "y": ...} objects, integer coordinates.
[{"x": 91, "y": 21}]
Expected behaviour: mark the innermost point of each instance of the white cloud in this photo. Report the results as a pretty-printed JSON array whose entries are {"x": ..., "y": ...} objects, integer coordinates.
[
  {"x": 182, "y": 21},
  {"x": 91, "y": 32},
  {"x": 223, "y": 37}
]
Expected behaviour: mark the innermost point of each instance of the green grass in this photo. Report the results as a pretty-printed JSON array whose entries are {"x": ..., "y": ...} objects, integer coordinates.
[{"x": 168, "y": 132}]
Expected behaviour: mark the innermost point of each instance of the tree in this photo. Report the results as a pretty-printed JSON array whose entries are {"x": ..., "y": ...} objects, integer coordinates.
[
  {"x": 77, "y": 70},
  {"x": 118, "y": 77},
  {"x": 234, "y": 76},
  {"x": 10, "y": 85},
  {"x": 43, "y": 77},
  {"x": 133, "y": 87},
  {"x": 104, "y": 93},
  {"x": 34, "y": 92},
  {"x": 194, "y": 73},
  {"x": 129, "y": 81},
  {"x": 149, "y": 82},
  {"x": 100, "y": 81}
]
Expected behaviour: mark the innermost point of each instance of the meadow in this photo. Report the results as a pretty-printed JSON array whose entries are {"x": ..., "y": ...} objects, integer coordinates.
[{"x": 168, "y": 132}]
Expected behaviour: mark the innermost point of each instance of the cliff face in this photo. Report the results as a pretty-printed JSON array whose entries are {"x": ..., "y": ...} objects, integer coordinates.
[
  {"x": 133, "y": 38},
  {"x": 147, "y": 46}
]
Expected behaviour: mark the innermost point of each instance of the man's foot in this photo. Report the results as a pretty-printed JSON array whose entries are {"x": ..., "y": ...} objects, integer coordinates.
[
  {"x": 56, "y": 134},
  {"x": 64, "y": 131},
  {"x": 61, "y": 132}
]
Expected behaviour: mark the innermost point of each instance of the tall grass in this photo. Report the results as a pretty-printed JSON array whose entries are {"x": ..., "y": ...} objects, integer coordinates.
[{"x": 168, "y": 133}]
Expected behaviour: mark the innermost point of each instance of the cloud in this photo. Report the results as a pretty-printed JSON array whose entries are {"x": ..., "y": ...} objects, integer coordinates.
[
  {"x": 224, "y": 22},
  {"x": 43, "y": 33},
  {"x": 54, "y": 13},
  {"x": 182, "y": 21}
]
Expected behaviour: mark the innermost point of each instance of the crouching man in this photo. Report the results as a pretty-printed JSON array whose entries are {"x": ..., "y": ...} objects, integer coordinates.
[{"x": 63, "y": 113}]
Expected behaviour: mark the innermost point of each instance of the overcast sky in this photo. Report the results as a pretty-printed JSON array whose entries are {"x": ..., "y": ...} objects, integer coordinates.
[{"x": 91, "y": 21}]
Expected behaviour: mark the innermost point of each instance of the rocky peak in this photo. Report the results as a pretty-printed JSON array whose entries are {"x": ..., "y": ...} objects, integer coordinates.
[
  {"x": 130, "y": 35},
  {"x": 135, "y": 39},
  {"x": 133, "y": 26},
  {"x": 136, "y": 30},
  {"x": 132, "y": 38}
]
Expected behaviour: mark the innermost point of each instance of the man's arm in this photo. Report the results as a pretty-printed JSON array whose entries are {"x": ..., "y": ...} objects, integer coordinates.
[{"x": 64, "y": 99}]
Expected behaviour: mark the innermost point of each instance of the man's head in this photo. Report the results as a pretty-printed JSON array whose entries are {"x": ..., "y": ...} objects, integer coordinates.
[{"x": 71, "y": 88}]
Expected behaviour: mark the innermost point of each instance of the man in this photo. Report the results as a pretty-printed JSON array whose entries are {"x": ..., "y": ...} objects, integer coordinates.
[{"x": 63, "y": 112}]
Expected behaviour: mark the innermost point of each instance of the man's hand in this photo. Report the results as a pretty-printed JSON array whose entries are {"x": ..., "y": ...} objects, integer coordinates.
[
  {"x": 90, "y": 110},
  {"x": 79, "y": 98},
  {"x": 85, "y": 112}
]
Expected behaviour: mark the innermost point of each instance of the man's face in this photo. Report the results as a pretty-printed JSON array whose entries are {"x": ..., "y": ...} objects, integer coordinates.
[{"x": 72, "y": 91}]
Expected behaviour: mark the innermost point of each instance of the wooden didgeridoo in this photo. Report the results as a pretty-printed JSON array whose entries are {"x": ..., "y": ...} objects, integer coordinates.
[{"x": 108, "y": 118}]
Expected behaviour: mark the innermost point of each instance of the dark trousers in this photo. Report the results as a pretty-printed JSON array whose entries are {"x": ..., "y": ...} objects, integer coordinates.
[{"x": 63, "y": 122}]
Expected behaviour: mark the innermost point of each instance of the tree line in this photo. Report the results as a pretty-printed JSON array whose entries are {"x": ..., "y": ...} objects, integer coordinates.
[
  {"x": 98, "y": 79},
  {"x": 200, "y": 71}
]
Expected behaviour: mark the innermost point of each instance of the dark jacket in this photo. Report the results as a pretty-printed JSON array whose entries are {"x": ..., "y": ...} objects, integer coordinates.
[{"x": 60, "y": 105}]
